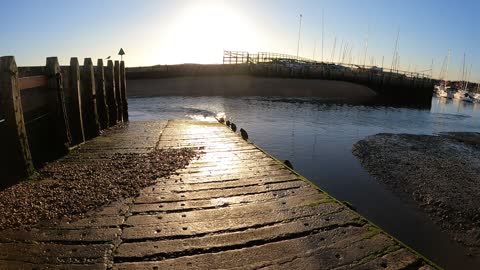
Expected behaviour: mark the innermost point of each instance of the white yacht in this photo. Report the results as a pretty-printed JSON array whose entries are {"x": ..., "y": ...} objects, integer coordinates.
[
  {"x": 443, "y": 91},
  {"x": 463, "y": 95},
  {"x": 476, "y": 97}
]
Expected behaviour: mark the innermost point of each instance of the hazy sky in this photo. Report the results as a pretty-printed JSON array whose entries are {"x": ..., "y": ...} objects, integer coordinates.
[{"x": 197, "y": 31}]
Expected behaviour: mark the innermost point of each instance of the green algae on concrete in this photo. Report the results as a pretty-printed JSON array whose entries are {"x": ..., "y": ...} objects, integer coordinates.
[{"x": 233, "y": 207}]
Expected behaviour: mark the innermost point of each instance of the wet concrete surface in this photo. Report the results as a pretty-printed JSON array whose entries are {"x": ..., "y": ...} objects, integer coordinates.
[{"x": 234, "y": 207}]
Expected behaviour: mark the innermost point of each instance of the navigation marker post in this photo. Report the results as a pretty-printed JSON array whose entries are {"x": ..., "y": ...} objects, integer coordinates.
[{"x": 121, "y": 53}]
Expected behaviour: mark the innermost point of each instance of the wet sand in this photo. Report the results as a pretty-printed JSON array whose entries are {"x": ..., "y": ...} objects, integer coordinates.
[
  {"x": 248, "y": 86},
  {"x": 440, "y": 174}
]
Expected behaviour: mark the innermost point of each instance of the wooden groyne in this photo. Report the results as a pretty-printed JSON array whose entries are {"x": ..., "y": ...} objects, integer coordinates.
[
  {"x": 46, "y": 110},
  {"x": 235, "y": 207}
]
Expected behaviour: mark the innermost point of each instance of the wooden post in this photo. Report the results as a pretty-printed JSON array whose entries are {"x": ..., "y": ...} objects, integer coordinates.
[
  {"x": 102, "y": 106},
  {"x": 110, "y": 92},
  {"x": 16, "y": 151},
  {"x": 123, "y": 84},
  {"x": 63, "y": 137},
  {"x": 90, "y": 119},
  {"x": 75, "y": 113},
  {"x": 118, "y": 92}
]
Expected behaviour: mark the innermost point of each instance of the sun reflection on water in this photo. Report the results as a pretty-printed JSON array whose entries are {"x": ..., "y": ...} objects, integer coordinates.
[
  {"x": 199, "y": 117},
  {"x": 206, "y": 118}
]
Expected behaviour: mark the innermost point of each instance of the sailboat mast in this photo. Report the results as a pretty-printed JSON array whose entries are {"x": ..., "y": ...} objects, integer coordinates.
[
  {"x": 345, "y": 52},
  {"x": 350, "y": 55},
  {"x": 448, "y": 63},
  {"x": 463, "y": 71},
  {"x": 468, "y": 77},
  {"x": 398, "y": 63},
  {"x": 340, "y": 52},
  {"x": 333, "y": 50},
  {"x": 366, "y": 46},
  {"x": 441, "y": 74},
  {"x": 323, "y": 31},
  {"x": 299, "y": 32},
  {"x": 395, "y": 52},
  {"x": 431, "y": 70}
]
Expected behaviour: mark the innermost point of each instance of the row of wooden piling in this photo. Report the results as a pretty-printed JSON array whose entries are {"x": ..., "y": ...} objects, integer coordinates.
[
  {"x": 103, "y": 93},
  {"x": 244, "y": 135},
  {"x": 77, "y": 102}
]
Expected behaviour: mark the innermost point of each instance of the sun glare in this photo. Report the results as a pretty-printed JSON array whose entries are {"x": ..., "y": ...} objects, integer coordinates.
[{"x": 201, "y": 32}]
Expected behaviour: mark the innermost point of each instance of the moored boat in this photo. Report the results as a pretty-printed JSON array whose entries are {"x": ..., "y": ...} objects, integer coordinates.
[
  {"x": 463, "y": 95},
  {"x": 443, "y": 91},
  {"x": 476, "y": 97}
]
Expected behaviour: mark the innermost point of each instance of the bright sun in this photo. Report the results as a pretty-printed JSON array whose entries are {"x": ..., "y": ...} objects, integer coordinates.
[{"x": 203, "y": 30}]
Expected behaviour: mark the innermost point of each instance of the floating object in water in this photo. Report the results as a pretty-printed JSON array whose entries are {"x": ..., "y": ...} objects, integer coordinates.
[
  {"x": 288, "y": 163},
  {"x": 227, "y": 123},
  {"x": 244, "y": 134},
  {"x": 233, "y": 127}
]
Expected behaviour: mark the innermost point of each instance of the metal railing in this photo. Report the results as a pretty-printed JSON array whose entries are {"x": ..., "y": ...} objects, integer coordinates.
[{"x": 242, "y": 57}]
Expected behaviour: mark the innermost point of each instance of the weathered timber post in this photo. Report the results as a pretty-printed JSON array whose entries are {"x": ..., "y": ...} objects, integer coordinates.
[
  {"x": 63, "y": 138},
  {"x": 90, "y": 119},
  {"x": 123, "y": 84},
  {"x": 75, "y": 113},
  {"x": 17, "y": 151},
  {"x": 118, "y": 92},
  {"x": 110, "y": 92},
  {"x": 102, "y": 106}
]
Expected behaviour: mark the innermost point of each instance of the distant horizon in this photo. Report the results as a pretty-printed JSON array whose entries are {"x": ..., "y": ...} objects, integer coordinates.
[{"x": 188, "y": 31}]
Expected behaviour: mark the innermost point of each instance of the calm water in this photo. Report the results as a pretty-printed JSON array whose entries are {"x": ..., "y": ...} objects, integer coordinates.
[{"x": 317, "y": 138}]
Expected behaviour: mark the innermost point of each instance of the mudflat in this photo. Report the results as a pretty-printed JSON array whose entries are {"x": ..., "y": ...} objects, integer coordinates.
[
  {"x": 248, "y": 86},
  {"x": 441, "y": 174}
]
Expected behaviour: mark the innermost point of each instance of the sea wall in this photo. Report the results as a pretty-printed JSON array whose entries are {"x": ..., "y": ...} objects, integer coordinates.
[{"x": 391, "y": 87}]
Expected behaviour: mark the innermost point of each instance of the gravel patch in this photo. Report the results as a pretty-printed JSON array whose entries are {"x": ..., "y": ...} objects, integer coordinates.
[
  {"x": 441, "y": 174},
  {"x": 68, "y": 190}
]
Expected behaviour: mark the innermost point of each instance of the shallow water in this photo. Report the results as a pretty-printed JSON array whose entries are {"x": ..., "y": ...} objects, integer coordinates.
[{"x": 317, "y": 138}]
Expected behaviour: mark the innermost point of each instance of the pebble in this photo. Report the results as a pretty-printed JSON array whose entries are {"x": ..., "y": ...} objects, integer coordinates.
[
  {"x": 69, "y": 190},
  {"x": 439, "y": 173}
]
